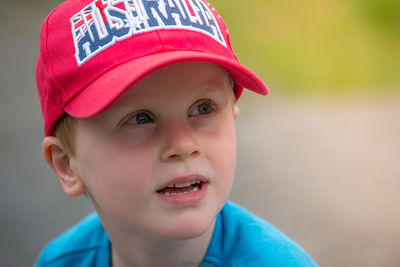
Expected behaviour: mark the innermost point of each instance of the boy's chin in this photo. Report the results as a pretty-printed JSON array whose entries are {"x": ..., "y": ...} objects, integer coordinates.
[{"x": 188, "y": 229}]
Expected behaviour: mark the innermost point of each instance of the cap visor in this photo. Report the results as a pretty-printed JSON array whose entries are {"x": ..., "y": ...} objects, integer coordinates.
[{"x": 106, "y": 89}]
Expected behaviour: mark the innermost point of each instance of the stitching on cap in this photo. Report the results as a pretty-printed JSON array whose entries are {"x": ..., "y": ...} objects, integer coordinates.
[{"x": 48, "y": 56}]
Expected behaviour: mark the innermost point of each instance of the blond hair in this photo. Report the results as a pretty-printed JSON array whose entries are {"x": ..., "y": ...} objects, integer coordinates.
[{"x": 65, "y": 131}]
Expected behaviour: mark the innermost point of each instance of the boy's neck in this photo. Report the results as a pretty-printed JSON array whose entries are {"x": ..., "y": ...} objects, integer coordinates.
[{"x": 140, "y": 250}]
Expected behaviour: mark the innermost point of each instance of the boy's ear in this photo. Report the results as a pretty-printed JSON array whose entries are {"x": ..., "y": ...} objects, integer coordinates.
[
  {"x": 236, "y": 111},
  {"x": 60, "y": 161}
]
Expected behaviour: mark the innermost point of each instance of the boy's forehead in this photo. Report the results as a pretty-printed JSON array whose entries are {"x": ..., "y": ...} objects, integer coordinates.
[
  {"x": 201, "y": 76},
  {"x": 172, "y": 85}
]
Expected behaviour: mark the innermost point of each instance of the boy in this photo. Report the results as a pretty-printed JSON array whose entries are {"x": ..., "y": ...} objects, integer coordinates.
[{"x": 138, "y": 99}]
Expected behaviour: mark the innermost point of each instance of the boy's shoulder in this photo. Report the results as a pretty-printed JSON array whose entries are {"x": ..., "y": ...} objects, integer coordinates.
[
  {"x": 243, "y": 239},
  {"x": 85, "y": 242}
]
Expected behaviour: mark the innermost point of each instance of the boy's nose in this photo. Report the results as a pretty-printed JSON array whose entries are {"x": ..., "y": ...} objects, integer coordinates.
[{"x": 179, "y": 143}]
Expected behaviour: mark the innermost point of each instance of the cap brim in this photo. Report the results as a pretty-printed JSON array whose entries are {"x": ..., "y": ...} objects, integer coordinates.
[{"x": 106, "y": 89}]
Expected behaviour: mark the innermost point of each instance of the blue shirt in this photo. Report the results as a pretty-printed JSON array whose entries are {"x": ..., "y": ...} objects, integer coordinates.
[{"x": 239, "y": 239}]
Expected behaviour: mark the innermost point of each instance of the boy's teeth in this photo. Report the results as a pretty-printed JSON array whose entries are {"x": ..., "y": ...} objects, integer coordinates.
[
  {"x": 194, "y": 189},
  {"x": 181, "y": 185}
]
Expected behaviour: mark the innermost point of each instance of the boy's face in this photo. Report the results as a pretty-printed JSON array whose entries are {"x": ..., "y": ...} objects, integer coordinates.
[{"x": 176, "y": 126}]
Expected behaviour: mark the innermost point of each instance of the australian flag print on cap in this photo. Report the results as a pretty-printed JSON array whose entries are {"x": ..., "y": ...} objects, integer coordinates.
[{"x": 102, "y": 23}]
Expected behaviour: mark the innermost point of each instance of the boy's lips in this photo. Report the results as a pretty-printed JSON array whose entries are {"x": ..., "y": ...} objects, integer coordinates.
[
  {"x": 186, "y": 190},
  {"x": 180, "y": 181}
]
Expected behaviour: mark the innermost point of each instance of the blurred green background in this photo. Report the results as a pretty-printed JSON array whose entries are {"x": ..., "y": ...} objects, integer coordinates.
[{"x": 318, "y": 46}]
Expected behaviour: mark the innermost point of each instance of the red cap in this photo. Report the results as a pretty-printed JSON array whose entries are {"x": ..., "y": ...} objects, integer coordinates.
[{"x": 92, "y": 51}]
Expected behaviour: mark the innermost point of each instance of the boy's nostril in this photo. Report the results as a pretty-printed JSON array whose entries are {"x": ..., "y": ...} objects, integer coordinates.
[
  {"x": 195, "y": 153},
  {"x": 174, "y": 156}
]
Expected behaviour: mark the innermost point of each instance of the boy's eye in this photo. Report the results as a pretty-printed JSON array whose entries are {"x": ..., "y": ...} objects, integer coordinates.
[
  {"x": 202, "y": 108},
  {"x": 141, "y": 118}
]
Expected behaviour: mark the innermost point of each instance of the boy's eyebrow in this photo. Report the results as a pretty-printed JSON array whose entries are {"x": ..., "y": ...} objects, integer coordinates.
[{"x": 212, "y": 85}]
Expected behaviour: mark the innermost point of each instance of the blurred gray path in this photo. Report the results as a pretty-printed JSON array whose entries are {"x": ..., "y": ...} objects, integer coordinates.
[{"x": 325, "y": 171}]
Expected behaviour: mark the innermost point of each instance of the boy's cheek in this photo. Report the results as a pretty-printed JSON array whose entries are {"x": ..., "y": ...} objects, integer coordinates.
[{"x": 132, "y": 137}]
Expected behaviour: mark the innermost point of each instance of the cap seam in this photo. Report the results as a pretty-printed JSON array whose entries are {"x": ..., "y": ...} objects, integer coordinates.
[
  {"x": 228, "y": 36},
  {"x": 160, "y": 40},
  {"x": 48, "y": 56}
]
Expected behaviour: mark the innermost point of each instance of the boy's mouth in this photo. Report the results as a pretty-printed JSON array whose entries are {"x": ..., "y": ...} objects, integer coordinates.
[
  {"x": 187, "y": 190},
  {"x": 181, "y": 188}
]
